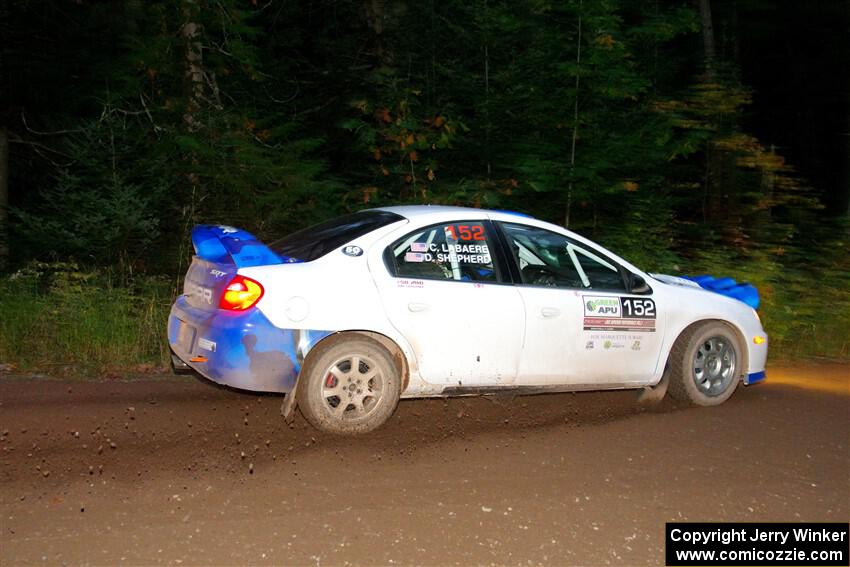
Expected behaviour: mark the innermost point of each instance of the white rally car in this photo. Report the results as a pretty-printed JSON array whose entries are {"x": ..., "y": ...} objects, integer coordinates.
[{"x": 350, "y": 315}]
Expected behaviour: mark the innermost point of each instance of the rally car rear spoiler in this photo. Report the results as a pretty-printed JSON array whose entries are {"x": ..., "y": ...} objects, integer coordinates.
[{"x": 231, "y": 246}]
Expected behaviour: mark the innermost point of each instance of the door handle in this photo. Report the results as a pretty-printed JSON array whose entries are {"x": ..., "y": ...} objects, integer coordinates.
[
  {"x": 549, "y": 312},
  {"x": 417, "y": 307}
]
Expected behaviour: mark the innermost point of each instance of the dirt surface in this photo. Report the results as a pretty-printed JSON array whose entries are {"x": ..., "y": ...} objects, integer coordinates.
[{"x": 178, "y": 471}]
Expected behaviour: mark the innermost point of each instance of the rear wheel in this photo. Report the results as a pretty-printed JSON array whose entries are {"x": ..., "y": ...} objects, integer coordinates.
[
  {"x": 705, "y": 365},
  {"x": 350, "y": 387}
]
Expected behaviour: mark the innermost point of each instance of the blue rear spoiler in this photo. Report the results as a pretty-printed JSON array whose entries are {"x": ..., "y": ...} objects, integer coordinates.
[
  {"x": 730, "y": 288},
  {"x": 228, "y": 245}
]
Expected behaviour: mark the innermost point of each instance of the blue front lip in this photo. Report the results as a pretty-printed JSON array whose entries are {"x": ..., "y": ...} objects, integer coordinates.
[
  {"x": 242, "y": 349},
  {"x": 755, "y": 377}
]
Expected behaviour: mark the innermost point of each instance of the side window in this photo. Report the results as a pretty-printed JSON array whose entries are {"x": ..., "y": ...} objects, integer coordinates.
[
  {"x": 550, "y": 259},
  {"x": 599, "y": 273},
  {"x": 459, "y": 251}
]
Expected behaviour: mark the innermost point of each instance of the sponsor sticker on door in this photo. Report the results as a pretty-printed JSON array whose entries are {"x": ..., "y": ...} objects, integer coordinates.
[{"x": 606, "y": 313}]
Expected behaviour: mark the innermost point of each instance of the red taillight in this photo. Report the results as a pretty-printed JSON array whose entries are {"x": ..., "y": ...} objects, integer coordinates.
[{"x": 241, "y": 294}]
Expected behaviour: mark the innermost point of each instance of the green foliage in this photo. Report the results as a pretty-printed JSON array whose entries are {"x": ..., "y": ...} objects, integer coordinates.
[
  {"x": 102, "y": 208},
  {"x": 404, "y": 144},
  {"x": 59, "y": 318},
  {"x": 804, "y": 288},
  {"x": 234, "y": 156},
  {"x": 272, "y": 116}
]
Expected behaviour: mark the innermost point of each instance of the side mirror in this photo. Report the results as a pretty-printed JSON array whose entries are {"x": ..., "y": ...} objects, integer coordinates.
[{"x": 638, "y": 285}]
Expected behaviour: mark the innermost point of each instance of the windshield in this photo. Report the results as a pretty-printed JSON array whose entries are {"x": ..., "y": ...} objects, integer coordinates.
[{"x": 315, "y": 241}]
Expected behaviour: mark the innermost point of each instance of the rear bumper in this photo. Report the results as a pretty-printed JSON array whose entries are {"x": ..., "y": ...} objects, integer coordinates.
[{"x": 243, "y": 350}]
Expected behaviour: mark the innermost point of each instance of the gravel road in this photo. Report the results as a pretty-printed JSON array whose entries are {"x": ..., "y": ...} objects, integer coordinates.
[{"x": 178, "y": 471}]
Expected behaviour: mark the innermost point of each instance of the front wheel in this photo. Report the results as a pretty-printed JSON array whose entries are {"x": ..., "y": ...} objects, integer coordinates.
[
  {"x": 705, "y": 365},
  {"x": 351, "y": 387}
]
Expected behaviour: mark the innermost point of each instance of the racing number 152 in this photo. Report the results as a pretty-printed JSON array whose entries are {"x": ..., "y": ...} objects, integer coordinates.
[
  {"x": 640, "y": 308},
  {"x": 466, "y": 232}
]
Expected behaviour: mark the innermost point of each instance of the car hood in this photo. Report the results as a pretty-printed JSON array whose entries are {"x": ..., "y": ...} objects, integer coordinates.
[
  {"x": 675, "y": 280},
  {"x": 727, "y": 287}
]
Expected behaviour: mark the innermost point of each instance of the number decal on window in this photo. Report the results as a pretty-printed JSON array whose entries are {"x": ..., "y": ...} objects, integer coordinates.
[{"x": 465, "y": 232}]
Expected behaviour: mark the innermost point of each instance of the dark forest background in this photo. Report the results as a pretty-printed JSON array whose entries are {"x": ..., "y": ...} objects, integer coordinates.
[{"x": 690, "y": 136}]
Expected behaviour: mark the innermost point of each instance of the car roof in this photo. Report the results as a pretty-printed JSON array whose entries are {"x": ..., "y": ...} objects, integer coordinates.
[
  {"x": 413, "y": 211},
  {"x": 442, "y": 213}
]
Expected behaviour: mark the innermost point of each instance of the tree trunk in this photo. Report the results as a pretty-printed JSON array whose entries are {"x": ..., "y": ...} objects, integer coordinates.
[
  {"x": 707, "y": 36},
  {"x": 375, "y": 12},
  {"x": 5, "y": 103},
  {"x": 575, "y": 126},
  {"x": 713, "y": 157},
  {"x": 194, "y": 77},
  {"x": 488, "y": 125},
  {"x": 191, "y": 33},
  {"x": 844, "y": 180},
  {"x": 842, "y": 192},
  {"x": 4, "y": 199}
]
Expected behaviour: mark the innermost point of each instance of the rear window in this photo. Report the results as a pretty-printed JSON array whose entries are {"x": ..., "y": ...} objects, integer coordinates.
[{"x": 315, "y": 241}]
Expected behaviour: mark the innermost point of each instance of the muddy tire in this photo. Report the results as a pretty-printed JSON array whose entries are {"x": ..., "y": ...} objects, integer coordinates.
[
  {"x": 350, "y": 387},
  {"x": 705, "y": 365}
]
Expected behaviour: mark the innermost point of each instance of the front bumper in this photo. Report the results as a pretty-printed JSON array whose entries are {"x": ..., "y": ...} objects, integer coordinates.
[
  {"x": 755, "y": 377},
  {"x": 757, "y": 359},
  {"x": 239, "y": 349}
]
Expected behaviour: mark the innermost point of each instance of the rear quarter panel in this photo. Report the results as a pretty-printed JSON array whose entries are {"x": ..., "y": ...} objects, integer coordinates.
[{"x": 335, "y": 292}]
